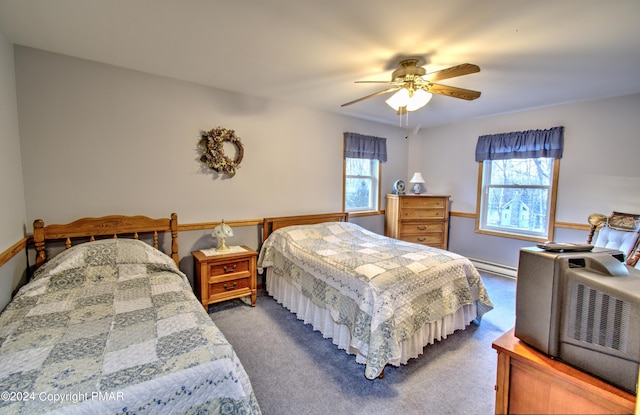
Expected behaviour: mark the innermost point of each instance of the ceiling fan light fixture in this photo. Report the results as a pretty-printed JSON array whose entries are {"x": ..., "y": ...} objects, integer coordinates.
[
  {"x": 419, "y": 99},
  {"x": 399, "y": 99},
  {"x": 413, "y": 87},
  {"x": 412, "y": 101}
]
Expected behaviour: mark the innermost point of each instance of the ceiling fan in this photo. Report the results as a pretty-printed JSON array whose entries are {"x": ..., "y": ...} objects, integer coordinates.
[{"x": 414, "y": 85}]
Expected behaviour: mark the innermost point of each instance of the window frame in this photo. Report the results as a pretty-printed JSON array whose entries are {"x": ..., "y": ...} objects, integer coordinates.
[
  {"x": 481, "y": 208},
  {"x": 377, "y": 186}
]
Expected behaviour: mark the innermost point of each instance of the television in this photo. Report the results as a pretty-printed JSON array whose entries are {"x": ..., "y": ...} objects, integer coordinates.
[{"x": 582, "y": 308}]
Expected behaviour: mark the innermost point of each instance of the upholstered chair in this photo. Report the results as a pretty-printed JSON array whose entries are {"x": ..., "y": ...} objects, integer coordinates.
[{"x": 618, "y": 231}]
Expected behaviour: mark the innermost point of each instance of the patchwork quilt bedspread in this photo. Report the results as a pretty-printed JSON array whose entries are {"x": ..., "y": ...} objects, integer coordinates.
[
  {"x": 382, "y": 289},
  {"x": 112, "y": 326}
]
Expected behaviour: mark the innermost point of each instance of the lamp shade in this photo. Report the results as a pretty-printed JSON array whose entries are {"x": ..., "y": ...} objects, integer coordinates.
[
  {"x": 419, "y": 99},
  {"x": 411, "y": 100},
  {"x": 399, "y": 99},
  {"x": 221, "y": 232},
  {"x": 417, "y": 178}
]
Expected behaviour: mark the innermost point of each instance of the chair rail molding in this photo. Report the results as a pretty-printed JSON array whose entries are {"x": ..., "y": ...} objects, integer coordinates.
[{"x": 22, "y": 244}]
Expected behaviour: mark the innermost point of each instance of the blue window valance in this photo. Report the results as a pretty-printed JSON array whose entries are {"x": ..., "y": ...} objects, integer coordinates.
[
  {"x": 360, "y": 146},
  {"x": 521, "y": 145}
]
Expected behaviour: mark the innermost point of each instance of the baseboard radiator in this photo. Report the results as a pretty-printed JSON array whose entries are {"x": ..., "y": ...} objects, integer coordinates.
[{"x": 493, "y": 268}]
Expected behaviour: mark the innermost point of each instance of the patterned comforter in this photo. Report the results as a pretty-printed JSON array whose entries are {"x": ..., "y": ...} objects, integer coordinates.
[
  {"x": 112, "y": 326},
  {"x": 382, "y": 289}
]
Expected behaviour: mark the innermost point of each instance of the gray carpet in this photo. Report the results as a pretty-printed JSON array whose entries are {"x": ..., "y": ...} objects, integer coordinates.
[{"x": 294, "y": 370}]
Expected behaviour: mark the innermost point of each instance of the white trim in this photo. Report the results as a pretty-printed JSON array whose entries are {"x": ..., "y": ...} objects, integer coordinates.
[{"x": 493, "y": 268}]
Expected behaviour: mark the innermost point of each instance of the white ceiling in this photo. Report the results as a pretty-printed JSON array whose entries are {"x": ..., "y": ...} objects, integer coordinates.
[{"x": 531, "y": 53}]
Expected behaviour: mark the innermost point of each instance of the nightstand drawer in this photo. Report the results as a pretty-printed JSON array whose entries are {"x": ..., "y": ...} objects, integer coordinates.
[
  {"x": 229, "y": 285},
  {"x": 230, "y": 267}
]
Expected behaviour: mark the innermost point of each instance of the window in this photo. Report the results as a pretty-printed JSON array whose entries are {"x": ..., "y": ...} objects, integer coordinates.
[
  {"x": 518, "y": 197},
  {"x": 361, "y": 185},
  {"x": 518, "y": 177},
  {"x": 363, "y": 158}
]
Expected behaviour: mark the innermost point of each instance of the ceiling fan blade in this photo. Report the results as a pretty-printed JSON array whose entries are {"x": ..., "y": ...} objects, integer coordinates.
[
  {"x": 373, "y": 82},
  {"x": 459, "y": 70},
  {"x": 452, "y": 91},
  {"x": 395, "y": 88}
]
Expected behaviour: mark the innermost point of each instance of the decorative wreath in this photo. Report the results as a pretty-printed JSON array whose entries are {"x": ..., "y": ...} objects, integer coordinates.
[{"x": 213, "y": 156}]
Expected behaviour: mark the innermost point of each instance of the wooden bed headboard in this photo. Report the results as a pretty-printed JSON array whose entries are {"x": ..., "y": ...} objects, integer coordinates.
[
  {"x": 271, "y": 224},
  {"x": 114, "y": 226}
]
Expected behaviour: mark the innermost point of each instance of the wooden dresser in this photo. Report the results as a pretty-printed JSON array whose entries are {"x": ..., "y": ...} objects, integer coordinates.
[
  {"x": 529, "y": 382},
  {"x": 422, "y": 219}
]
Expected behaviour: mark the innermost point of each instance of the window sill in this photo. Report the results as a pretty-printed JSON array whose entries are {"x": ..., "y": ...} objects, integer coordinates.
[
  {"x": 368, "y": 213},
  {"x": 512, "y": 236}
]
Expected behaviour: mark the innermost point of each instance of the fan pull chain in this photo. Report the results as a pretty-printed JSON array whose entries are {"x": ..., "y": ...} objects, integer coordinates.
[{"x": 407, "y": 119}]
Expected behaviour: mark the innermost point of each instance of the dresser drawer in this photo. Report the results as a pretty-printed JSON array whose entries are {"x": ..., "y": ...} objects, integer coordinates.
[
  {"x": 434, "y": 213},
  {"x": 423, "y": 202},
  {"x": 239, "y": 266},
  {"x": 419, "y": 228},
  {"x": 432, "y": 239}
]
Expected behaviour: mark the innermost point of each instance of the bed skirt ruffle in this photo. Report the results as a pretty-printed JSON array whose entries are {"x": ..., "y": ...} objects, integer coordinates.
[{"x": 321, "y": 320}]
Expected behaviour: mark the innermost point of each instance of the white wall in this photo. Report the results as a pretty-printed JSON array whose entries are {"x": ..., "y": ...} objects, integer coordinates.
[
  {"x": 99, "y": 140},
  {"x": 12, "y": 205},
  {"x": 599, "y": 171}
]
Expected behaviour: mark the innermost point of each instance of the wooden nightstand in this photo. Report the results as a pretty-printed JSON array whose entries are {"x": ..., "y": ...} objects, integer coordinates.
[{"x": 221, "y": 277}]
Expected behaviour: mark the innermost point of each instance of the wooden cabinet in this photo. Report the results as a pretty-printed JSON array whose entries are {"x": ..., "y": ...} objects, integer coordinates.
[
  {"x": 422, "y": 219},
  {"x": 529, "y": 382},
  {"x": 225, "y": 276}
]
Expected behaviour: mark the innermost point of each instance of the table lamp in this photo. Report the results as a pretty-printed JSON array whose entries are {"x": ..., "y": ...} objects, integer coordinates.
[
  {"x": 221, "y": 232},
  {"x": 417, "y": 181}
]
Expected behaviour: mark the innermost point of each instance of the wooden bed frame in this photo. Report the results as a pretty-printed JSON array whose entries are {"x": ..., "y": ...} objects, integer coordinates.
[
  {"x": 114, "y": 226},
  {"x": 271, "y": 224}
]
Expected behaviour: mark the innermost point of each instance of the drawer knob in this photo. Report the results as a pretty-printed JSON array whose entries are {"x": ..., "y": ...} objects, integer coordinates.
[
  {"x": 422, "y": 227},
  {"x": 230, "y": 269},
  {"x": 233, "y": 286},
  {"x": 422, "y": 239}
]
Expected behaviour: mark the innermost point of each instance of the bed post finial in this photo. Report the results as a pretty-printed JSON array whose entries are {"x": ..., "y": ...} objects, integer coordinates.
[
  {"x": 173, "y": 224},
  {"x": 38, "y": 240}
]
